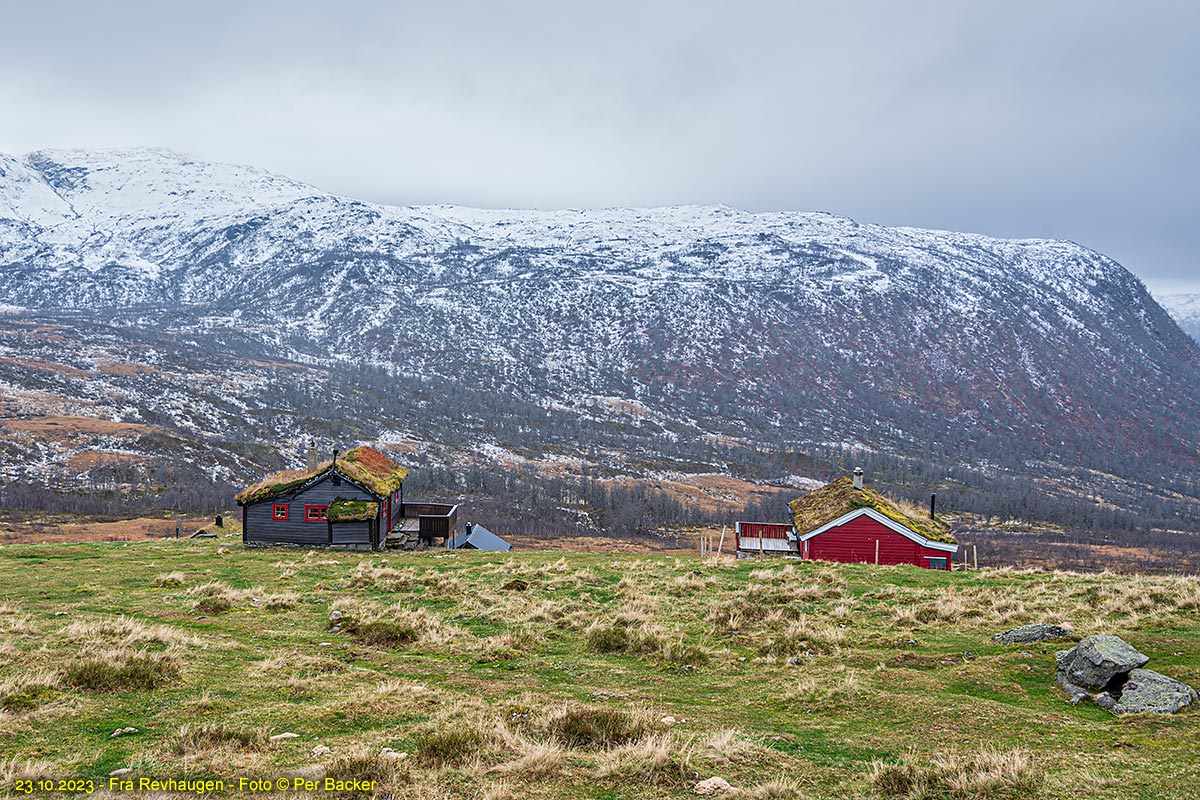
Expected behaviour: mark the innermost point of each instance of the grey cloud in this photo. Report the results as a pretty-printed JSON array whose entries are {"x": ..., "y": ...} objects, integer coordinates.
[{"x": 1071, "y": 119}]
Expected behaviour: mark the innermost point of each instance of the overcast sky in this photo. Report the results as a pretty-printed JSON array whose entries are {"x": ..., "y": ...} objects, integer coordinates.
[{"x": 1076, "y": 120}]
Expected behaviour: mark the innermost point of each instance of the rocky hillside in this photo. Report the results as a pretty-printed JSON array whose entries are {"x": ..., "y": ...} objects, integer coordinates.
[{"x": 698, "y": 324}]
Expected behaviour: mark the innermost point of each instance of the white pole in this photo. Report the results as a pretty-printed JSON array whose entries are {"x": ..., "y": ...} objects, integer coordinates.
[{"x": 722, "y": 542}]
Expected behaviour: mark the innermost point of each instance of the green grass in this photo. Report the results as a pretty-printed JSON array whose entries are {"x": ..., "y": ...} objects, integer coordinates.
[{"x": 590, "y": 676}]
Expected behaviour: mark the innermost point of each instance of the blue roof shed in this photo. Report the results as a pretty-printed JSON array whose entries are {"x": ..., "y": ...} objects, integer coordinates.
[{"x": 477, "y": 537}]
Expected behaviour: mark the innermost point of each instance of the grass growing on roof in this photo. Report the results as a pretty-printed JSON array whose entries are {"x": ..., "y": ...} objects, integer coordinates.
[
  {"x": 840, "y": 497},
  {"x": 364, "y": 465},
  {"x": 895, "y": 687},
  {"x": 351, "y": 510}
]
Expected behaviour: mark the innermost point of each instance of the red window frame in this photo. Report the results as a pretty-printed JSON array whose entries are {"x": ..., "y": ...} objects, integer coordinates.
[
  {"x": 315, "y": 512},
  {"x": 276, "y": 508}
]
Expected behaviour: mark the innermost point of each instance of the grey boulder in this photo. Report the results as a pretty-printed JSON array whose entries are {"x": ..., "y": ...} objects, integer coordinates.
[
  {"x": 1096, "y": 660},
  {"x": 1149, "y": 692},
  {"x": 1027, "y": 634}
]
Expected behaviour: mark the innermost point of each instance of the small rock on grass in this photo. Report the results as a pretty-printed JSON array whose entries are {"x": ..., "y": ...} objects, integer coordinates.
[
  {"x": 1028, "y": 634},
  {"x": 321, "y": 750},
  {"x": 122, "y": 732},
  {"x": 116, "y": 773},
  {"x": 281, "y": 736},
  {"x": 389, "y": 754},
  {"x": 713, "y": 786}
]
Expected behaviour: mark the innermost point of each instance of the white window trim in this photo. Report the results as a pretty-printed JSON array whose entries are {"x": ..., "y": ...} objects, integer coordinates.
[{"x": 885, "y": 521}]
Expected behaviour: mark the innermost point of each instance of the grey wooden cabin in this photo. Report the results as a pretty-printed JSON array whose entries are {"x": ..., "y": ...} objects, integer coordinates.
[{"x": 354, "y": 501}]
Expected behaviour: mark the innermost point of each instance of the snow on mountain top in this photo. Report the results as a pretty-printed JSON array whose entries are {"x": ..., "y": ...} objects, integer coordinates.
[
  {"x": 143, "y": 183},
  {"x": 148, "y": 204}
]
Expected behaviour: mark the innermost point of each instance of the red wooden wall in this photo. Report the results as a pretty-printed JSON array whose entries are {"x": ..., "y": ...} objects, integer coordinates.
[{"x": 855, "y": 541}]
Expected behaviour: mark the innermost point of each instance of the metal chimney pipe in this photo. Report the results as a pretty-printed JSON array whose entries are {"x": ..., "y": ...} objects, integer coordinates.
[
  {"x": 858, "y": 475},
  {"x": 932, "y": 505},
  {"x": 313, "y": 458}
]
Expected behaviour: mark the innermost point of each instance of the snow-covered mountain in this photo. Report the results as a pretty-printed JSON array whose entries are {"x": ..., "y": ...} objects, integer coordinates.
[
  {"x": 1185, "y": 309},
  {"x": 783, "y": 327}
]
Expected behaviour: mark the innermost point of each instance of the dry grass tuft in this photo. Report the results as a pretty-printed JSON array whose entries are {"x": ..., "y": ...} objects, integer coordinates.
[
  {"x": 170, "y": 579},
  {"x": 596, "y": 726},
  {"x": 987, "y": 775},
  {"x": 362, "y": 764},
  {"x": 802, "y": 636},
  {"x": 199, "y": 739},
  {"x": 536, "y": 760},
  {"x": 449, "y": 745},
  {"x": 217, "y": 598},
  {"x": 122, "y": 669},
  {"x": 726, "y": 747},
  {"x": 127, "y": 632},
  {"x": 773, "y": 790},
  {"x": 633, "y": 632},
  {"x": 369, "y": 575},
  {"x": 394, "y": 626},
  {"x": 655, "y": 759},
  {"x": 28, "y": 691},
  {"x": 818, "y": 689}
]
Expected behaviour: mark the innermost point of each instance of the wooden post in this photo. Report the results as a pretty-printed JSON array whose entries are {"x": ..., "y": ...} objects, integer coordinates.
[
  {"x": 975, "y": 555},
  {"x": 876, "y": 552},
  {"x": 721, "y": 543},
  {"x": 760, "y": 542}
]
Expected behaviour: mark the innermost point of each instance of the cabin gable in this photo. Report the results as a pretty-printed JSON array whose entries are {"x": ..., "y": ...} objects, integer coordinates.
[
  {"x": 868, "y": 537},
  {"x": 262, "y": 525}
]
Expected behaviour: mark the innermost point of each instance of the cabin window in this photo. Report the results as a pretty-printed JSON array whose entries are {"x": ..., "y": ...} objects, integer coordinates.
[
  {"x": 279, "y": 512},
  {"x": 937, "y": 563},
  {"x": 315, "y": 513}
]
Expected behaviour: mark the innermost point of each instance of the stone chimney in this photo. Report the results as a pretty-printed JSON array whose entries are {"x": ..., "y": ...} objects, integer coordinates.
[
  {"x": 313, "y": 458},
  {"x": 858, "y": 473}
]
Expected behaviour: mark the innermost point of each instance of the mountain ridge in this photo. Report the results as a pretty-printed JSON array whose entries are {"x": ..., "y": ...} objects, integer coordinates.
[{"x": 790, "y": 327}]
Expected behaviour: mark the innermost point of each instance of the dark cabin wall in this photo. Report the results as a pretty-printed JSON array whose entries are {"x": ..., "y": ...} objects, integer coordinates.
[
  {"x": 261, "y": 529},
  {"x": 352, "y": 533}
]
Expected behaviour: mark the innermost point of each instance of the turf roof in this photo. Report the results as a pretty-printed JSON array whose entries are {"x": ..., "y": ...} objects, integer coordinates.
[
  {"x": 341, "y": 510},
  {"x": 364, "y": 465},
  {"x": 840, "y": 497}
]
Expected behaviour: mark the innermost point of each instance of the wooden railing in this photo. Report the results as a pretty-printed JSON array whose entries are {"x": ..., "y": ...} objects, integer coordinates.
[{"x": 435, "y": 520}]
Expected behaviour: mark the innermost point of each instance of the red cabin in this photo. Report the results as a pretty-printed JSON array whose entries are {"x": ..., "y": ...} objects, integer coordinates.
[{"x": 843, "y": 521}]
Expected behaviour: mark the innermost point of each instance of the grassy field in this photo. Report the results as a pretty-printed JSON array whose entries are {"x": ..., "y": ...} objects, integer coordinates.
[{"x": 573, "y": 675}]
